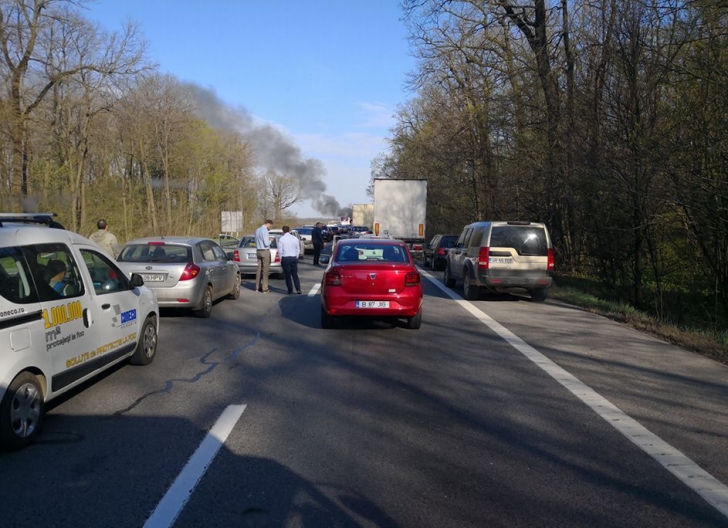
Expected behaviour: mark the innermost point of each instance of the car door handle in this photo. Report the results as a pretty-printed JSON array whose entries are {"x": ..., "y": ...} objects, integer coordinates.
[{"x": 86, "y": 318}]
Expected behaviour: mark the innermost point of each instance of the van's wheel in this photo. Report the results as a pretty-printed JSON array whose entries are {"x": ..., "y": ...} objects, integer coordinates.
[
  {"x": 539, "y": 295},
  {"x": 206, "y": 309},
  {"x": 449, "y": 281},
  {"x": 471, "y": 291},
  {"x": 414, "y": 323},
  {"x": 147, "y": 346},
  {"x": 21, "y": 412},
  {"x": 235, "y": 294},
  {"x": 327, "y": 320}
]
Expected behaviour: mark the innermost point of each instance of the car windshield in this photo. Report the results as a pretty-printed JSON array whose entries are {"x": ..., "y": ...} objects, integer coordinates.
[
  {"x": 162, "y": 253},
  {"x": 304, "y": 230},
  {"x": 371, "y": 253}
]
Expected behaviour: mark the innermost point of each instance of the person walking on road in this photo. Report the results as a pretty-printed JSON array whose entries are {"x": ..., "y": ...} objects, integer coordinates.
[
  {"x": 317, "y": 239},
  {"x": 289, "y": 248},
  {"x": 262, "y": 247},
  {"x": 105, "y": 239}
]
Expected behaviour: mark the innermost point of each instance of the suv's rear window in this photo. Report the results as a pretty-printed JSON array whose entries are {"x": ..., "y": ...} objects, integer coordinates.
[{"x": 527, "y": 241}]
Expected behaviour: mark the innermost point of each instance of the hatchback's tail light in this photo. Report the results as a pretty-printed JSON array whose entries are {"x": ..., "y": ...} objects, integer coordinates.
[
  {"x": 484, "y": 258},
  {"x": 440, "y": 252},
  {"x": 236, "y": 256},
  {"x": 191, "y": 271},
  {"x": 412, "y": 279},
  {"x": 551, "y": 262},
  {"x": 333, "y": 278},
  {"x": 278, "y": 257}
]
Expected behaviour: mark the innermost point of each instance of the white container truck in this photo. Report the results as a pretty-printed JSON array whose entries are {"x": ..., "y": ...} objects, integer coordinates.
[{"x": 400, "y": 209}]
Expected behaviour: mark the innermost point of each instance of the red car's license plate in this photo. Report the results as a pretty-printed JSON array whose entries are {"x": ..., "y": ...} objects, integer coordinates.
[{"x": 372, "y": 304}]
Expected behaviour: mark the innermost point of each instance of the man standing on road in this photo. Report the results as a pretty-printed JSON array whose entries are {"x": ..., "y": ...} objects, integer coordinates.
[
  {"x": 317, "y": 239},
  {"x": 104, "y": 239},
  {"x": 289, "y": 248},
  {"x": 262, "y": 247}
]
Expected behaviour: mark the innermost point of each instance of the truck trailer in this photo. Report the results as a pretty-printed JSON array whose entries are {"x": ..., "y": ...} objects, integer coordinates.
[{"x": 400, "y": 209}]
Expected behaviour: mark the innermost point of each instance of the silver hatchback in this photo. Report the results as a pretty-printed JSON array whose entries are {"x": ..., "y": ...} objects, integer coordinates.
[{"x": 184, "y": 272}]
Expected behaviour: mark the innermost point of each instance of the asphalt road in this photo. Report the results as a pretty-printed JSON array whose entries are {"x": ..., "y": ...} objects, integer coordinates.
[{"x": 498, "y": 412}]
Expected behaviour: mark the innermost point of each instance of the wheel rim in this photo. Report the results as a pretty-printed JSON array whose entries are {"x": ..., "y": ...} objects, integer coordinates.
[
  {"x": 25, "y": 410},
  {"x": 236, "y": 291},
  {"x": 150, "y": 340}
]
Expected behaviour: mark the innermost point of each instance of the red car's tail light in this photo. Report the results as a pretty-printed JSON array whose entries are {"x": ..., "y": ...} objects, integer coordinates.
[
  {"x": 236, "y": 256},
  {"x": 440, "y": 252},
  {"x": 191, "y": 271},
  {"x": 333, "y": 278},
  {"x": 551, "y": 261},
  {"x": 412, "y": 279},
  {"x": 484, "y": 258}
]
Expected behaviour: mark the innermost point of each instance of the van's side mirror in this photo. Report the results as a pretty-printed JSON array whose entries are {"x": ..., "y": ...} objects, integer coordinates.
[{"x": 136, "y": 280}]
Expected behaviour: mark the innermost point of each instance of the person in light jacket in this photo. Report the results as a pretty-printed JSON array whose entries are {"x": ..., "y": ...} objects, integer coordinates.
[{"x": 105, "y": 239}]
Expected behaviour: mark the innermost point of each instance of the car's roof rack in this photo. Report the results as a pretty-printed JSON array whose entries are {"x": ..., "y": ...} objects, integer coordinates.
[{"x": 30, "y": 218}]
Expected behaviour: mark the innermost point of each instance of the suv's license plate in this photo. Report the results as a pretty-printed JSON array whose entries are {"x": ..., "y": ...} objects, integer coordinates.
[
  {"x": 372, "y": 304},
  {"x": 153, "y": 277},
  {"x": 501, "y": 260}
]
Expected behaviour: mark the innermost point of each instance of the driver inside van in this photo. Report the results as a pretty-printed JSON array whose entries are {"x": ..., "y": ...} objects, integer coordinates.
[{"x": 55, "y": 275}]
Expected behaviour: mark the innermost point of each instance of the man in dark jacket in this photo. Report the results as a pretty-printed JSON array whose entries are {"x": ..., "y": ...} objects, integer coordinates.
[{"x": 317, "y": 239}]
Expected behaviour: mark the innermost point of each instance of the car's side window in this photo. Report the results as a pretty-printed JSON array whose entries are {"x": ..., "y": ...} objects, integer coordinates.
[
  {"x": 466, "y": 237},
  {"x": 16, "y": 283},
  {"x": 476, "y": 238},
  {"x": 54, "y": 271},
  {"x": 106, "y": 277},
  {"x": 219, "y": 253},
  {"x": 207, "y": 252}
]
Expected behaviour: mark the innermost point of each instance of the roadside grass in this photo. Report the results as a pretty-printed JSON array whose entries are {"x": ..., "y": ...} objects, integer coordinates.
[{"x": 711, "y": 344}]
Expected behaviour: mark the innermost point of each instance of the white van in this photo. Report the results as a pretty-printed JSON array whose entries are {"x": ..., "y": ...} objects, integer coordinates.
[
  {"x": 67, "y": 312},
  {"x": 502, "y": 256}
]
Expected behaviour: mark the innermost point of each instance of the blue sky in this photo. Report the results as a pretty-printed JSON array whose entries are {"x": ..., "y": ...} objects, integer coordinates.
[{"x": 328, "y": 74}]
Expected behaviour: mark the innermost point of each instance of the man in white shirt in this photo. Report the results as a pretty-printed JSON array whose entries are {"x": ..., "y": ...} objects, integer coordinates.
[
  {"x": 262, "y": 247},
  {"x": 289, "y": 248}
]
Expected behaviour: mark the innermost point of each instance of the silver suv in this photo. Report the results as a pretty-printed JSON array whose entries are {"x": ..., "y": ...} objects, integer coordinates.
[
  {"x": 502, "y": 257},
  {"x": 67, "y": 312}
]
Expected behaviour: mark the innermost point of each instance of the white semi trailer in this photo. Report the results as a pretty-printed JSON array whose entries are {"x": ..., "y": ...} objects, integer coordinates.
[{"x": 400, "y": 209}]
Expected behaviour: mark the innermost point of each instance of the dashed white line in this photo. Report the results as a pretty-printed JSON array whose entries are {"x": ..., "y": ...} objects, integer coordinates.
[
  {"x": 669, "y": 457},
  {"x": 179, "y": 493},
  {"x": 315, "y": 289}
]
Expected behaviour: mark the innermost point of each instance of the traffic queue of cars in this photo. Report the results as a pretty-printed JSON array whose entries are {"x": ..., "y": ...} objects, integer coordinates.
[{"x": 68, "y": 311}]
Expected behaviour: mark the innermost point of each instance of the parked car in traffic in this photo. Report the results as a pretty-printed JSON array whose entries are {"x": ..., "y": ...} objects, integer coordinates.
[
  {"x": 246, "y": 256},
  {"x": 184, "y": 272},
  {"x": 359, "y": 230},
  {"x": 371, "y": 277},
  {"x": 502, "y": 256},
  {"x": 305, "y": 233},
  {"x": 279, "y": 233},
  {"x": 67, "y": 313},
  {"x": 435, "y": 253}
]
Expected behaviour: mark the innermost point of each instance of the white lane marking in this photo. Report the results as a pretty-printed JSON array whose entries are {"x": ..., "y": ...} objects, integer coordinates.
[
  {"x": 174, "y": 500},
  {"x": 315, "y": 289},
  {"x": 669, "y": 457}
]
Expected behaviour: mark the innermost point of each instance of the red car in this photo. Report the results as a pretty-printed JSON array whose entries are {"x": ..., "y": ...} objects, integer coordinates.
[{"x": 369, "y": 277}]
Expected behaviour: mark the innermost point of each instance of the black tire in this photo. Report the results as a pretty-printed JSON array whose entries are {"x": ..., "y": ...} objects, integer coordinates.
[
  {"x": 414, "y": 323},
  {"x": 470, "y": 291},
  {"x": 21, "y": 412},
  {"x": 327, "y": 320},
  {"x": 147, "y": 346},
  {"x": 206, "y": 309},
  {"x": 235, "y": 294},
  {"x": 539, "y": 295},
  {"x": 449, "y": 281}
]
